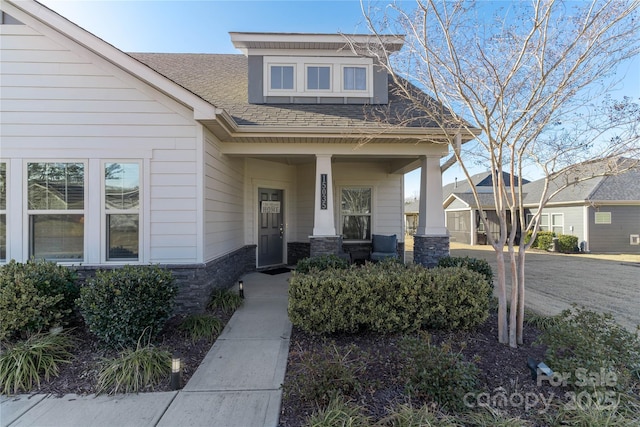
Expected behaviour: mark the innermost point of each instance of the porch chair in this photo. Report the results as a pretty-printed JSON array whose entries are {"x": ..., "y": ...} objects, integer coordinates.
[{"x": 383, "y": 247}]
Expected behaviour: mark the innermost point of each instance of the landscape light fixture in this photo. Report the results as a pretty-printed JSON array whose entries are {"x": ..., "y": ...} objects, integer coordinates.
[
  {"x": 175, "y": 372},
  {"x": 241, "y": 289}
]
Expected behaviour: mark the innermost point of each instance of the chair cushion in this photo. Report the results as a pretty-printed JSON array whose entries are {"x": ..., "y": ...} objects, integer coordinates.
[
  {"x": 384, "y": 244},
  {"x": 379, "y": 256}
]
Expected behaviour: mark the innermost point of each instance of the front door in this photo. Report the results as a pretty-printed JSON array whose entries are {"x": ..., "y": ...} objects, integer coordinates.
[{"x": 271, "y": 227}]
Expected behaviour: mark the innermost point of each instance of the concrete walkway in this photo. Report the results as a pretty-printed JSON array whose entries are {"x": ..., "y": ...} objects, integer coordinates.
[{"x": 237, "y": 384}]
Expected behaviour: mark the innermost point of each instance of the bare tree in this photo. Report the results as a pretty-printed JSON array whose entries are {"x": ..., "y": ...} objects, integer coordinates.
[{"x": 533, "y": 77}]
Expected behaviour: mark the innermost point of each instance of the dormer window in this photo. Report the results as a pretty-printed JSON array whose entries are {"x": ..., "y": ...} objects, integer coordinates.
[
  {"x": 318, "y": 77},
  {"x": 282, "y": 77},
  {"x": 354, "y": 78}
]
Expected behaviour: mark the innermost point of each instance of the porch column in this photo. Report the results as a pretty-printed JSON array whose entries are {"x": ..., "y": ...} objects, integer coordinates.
[
  {"x": 431, "y": 241},
  {"x": 324, "y": 240}
]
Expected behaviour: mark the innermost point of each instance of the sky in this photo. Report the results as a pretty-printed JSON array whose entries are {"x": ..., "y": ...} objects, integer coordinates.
[{"x": 203, "y": 27}]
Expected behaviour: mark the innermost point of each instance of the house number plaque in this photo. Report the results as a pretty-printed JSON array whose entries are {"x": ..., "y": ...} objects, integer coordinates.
[{"x": 323, "y": 191}]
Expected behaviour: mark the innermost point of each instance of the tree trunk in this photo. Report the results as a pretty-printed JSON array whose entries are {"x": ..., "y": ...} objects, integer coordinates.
[
  {"x": 521, "y": 255},
  {"x": 514, "y": 309},
  {"x": 503, "y": 337}
]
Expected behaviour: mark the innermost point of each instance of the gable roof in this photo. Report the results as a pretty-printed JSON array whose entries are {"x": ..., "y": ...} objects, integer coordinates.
[
  {"x": 215, "y": 88},
  {"x": 623, "y": 187},
  {"x": 484, "y": 184},
  {"x": 223, "y": 81}
]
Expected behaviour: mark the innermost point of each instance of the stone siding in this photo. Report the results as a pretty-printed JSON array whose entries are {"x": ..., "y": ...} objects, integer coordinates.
[
  {"x": 297, "y": 251},
  {"x": 326, "y": 245},
  {"x": 427, "y": 250},
  {"x": 196, "y": 282}
]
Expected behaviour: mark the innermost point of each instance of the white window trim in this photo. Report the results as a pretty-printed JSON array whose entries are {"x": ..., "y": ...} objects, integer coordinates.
[
  {"x": 339, "y": 209},
  {"x": 306, "y": 80},
  {"x": 300, "y": 64},
  {"x": 5, "y": 212},
  {"x": 605, "y": 218},
  {"x": 552, "y": 225},
  {"x": 267, "y": 82},
  {"x": 28, "y": 212},
  {"x": 356, "y": 92},
  {"x": 104, "y": 212}
]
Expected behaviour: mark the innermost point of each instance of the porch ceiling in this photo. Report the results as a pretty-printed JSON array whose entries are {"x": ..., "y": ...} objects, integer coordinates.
[{"x": 396, "y": 165}]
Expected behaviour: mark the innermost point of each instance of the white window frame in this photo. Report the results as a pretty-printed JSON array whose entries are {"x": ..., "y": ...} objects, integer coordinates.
[
  {"x": 104, "y": 212},
  {"x": 268, "y": 80},
  {"x": 306, "y": 77},
  {"x": 4, "y": 212},
  {"x": 370, "y": 215},
  {"x": 547, "y": 226},
  {"x": 300, "y": 64},
  {"x": 553, "y": 225},
  {"x": 31, "y": 212},
  {"x": 368, "y": 76},
  {"x": 602, "y": 218}
]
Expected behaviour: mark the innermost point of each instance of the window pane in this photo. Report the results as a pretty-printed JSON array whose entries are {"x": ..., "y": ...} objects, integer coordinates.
[
  {"x": 318, "y": 78},
  {"x": 55, "y": 186},
  {"x": 356, "y": 227},
  {"x": 355, "y": 78},
  {"x": 3, "y": 186},
  {"x": 281, "y": 77},
  {"x": 122, "y": 185},
  {"x": 57, "y": 237},
  {"x": 122, "y": 236},
  {"x": 356, "y": 200},
  {"x": 3, "y": 237}
]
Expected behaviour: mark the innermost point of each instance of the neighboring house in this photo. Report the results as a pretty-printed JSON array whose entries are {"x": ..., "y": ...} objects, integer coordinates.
[
  {"x": 411, "y": 214},
  {"x": 211, "y": 165},
  {"x": 603, "y": 212},
  {"x": 463, "y": 213}
]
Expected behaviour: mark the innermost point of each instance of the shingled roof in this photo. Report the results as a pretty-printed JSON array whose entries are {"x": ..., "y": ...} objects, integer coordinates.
[{"x": 221, "y": 79}]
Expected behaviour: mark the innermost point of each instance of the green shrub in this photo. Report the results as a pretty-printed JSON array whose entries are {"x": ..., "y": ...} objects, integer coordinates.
[
  {"x": 387, "y": 297},
  {"x": 590, "y": 341},
  {"x": 568, "y": 244},
  {"x": 120, "y": 305},
  {"x": 540, "y": 321},
  {"x": 474, "y": 264},
  {"x": 322, "y": 262},
  {"x": 437, "y": 373},
  {"x": 339, "y": 413},
  {"x": 199, "y": 326},
  {"x": 544, "y": 239},
  {"x": 318, "y": 377},
  {"x": 34, "y": 296},
  {"x": 134, "y": 370},
  {"x": 487, "y": 416},
  {"x": 23, "y": 364},
  {"x": 225, "y": 300}
]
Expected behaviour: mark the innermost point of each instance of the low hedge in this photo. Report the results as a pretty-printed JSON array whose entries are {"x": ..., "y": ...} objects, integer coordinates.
[
  {"x": 35, "y": 296},
  {"x": 568, "y": 244},
  {"x": 321, "y": 262},
  {"x": 388, "y": 297},
  {"x": 122, "y": 305}
]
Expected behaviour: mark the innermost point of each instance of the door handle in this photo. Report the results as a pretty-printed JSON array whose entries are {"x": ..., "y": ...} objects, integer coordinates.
[{"x": 281, "y": 230}]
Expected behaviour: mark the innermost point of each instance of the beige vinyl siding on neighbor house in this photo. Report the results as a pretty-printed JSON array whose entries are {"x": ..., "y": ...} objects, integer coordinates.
[
  {"x": 60, "y": 101},
  {"x": 457, "y": 204},
  {"x": 223, "y": 201}
]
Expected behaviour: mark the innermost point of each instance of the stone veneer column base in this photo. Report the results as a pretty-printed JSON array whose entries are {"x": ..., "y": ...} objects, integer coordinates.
[
  {"x": 325, "y": 245},
  {"x": 427, "y": 250}
]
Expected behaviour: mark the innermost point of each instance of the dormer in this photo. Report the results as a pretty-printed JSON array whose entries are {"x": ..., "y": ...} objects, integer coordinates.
[{"x": 286, "y": 68}]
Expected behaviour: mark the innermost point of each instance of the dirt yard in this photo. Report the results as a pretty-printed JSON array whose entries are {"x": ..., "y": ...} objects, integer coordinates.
[{"x": 606, "y": 283}]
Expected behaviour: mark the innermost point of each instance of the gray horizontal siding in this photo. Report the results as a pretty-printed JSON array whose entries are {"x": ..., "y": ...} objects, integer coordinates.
[{"x": 614, "y": 237}]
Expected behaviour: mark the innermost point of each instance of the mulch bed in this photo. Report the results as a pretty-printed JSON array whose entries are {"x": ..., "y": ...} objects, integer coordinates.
[
  {"x": 500, "y": 366},
  {"x": 80, "y": 376}
]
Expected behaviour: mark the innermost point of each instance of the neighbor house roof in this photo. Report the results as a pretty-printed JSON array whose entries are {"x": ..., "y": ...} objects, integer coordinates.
[
  {"x": 484, "y": 184},
  {"x": 623, "y": 186}
]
